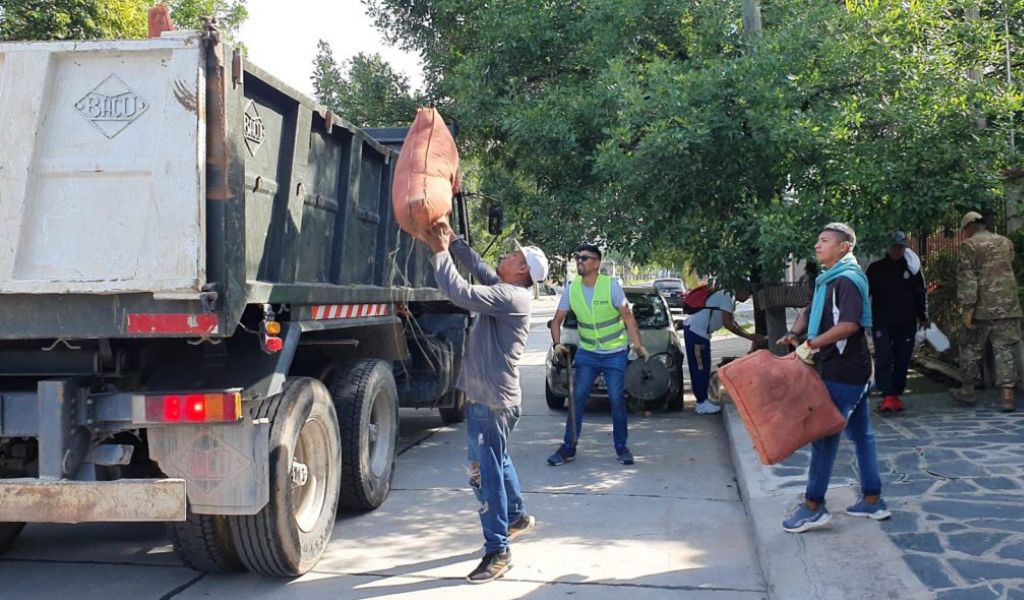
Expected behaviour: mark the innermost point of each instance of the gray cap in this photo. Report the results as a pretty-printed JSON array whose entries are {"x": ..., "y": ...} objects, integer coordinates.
[{"x": 898, "y": 239}]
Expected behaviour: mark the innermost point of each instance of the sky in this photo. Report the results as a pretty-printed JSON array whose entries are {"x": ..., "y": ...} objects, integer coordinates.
[{"x": 281, "y": 37}]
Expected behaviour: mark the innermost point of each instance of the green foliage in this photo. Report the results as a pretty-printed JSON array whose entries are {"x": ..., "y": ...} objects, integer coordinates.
[
  {"x": 72, "y": 19},
  {"x": 943, "y": 308},
  {"x": 107, "y": 19},
  {"x": 657, "y": 129},
  {"x": 364, "y": 90}
]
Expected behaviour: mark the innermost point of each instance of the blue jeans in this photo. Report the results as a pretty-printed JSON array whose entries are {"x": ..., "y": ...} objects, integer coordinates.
[
  {"x": 586, "y": 368},
  {"x": 894, "y": 345},
  {"x": 852, "y": 402},
  {"x": 698, "y": 359},
  {"x": 494, "y": 479}
]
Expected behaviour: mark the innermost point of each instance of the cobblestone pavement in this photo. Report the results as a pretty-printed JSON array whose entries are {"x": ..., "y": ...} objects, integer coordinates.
[{"x": 954, "y": 479}]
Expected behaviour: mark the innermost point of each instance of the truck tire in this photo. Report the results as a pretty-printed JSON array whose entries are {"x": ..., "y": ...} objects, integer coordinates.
[
  {"x": 456, "y": 413},
  {"x": 288, "y": 536},
  {"x": 366, "y": 400},
  {"x": 8, "y": 533},
  {"x": 554, "y": 401},
  {"x": 204, "y": 543}
]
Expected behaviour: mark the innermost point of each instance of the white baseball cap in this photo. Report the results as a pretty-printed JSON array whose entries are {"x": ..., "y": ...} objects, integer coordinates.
[{"x": 536, "y": 260}]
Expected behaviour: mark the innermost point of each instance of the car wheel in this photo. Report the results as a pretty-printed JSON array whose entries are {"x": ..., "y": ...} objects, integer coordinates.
[{"x": 555, "y": 401}]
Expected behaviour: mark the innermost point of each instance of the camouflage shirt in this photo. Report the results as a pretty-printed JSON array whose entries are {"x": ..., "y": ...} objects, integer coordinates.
[{"x": 985, "y": 281}]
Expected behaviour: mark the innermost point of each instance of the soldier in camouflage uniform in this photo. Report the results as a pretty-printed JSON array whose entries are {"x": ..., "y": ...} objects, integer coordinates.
[{"x": 987, "y": 290}]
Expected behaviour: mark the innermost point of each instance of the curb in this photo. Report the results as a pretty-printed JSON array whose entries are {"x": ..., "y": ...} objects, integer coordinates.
[{"x": 851, "y": 559}]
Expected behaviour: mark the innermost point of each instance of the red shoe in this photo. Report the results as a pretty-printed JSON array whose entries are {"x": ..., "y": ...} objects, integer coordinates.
[{"x": 891, "y": 404}]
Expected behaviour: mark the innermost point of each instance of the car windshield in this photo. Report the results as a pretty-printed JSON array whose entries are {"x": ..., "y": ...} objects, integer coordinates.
[
  {"x": 668, "y": 285},
  {"x": 649, "y": 310}
]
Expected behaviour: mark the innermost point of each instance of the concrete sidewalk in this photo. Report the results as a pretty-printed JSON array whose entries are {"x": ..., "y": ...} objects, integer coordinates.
[{"x": 954, "y": 479}]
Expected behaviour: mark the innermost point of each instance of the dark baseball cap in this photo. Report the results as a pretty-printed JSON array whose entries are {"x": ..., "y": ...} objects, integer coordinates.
[{"x": 898, "y": 239}]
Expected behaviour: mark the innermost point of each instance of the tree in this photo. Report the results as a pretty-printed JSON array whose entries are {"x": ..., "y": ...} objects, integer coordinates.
[
  {"x": 107, "y": 19},
  {"x": 666, "y": 132},
  {"x": 365, "y": 90},
  {"x": 72, "y": 19}
]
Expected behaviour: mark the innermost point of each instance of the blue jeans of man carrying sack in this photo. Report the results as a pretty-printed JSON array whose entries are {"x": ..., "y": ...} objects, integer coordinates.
[
  {"x": 495, "y": 482},
  {"x": 852, "y": 402}
]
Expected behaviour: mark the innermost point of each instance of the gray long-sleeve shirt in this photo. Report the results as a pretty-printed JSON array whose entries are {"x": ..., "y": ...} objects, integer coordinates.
[{"x": 497, "y": 339}]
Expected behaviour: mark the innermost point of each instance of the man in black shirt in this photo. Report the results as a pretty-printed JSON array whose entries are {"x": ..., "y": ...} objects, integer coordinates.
[
  {"x": 835, "y": 324},
  {"x": 897, "y": 307}
]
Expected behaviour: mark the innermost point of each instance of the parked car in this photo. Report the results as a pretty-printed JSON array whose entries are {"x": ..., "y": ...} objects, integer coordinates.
[
  {"x": 659, "y": 338},
  {"x": 672, "y": 290}
]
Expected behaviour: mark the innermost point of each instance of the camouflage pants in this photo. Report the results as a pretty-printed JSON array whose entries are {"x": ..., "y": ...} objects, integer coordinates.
[{"x": 1004, "y": 335}]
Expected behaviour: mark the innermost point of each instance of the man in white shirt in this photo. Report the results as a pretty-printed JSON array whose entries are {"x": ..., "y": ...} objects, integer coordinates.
[{"x": 717, "y": 313}]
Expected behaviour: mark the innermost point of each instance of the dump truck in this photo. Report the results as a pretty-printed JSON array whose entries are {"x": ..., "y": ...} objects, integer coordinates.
[{"x": 208, "y": 316}]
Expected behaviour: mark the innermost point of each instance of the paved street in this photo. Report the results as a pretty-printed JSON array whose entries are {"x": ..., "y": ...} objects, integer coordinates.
[{"x": 671, "y": 526}]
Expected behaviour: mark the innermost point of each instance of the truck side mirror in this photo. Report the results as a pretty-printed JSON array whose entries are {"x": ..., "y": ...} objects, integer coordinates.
[{"x": 495, "y": 220}]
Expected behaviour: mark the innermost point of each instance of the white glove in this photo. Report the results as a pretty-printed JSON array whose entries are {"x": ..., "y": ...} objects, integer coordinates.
[{"x": 805, "y": 353}]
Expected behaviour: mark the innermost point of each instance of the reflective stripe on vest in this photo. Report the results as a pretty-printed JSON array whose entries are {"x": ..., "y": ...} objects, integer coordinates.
[{"x": 600, "y": 325}]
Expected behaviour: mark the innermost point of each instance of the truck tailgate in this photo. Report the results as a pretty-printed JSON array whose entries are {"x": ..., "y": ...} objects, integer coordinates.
[{"x": 102, "y": 160}]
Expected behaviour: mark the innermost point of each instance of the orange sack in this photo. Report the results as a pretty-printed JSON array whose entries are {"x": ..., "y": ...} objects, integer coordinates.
[
  {"x": 783, "y": 402},
  {"x": 426, "y": 175}
]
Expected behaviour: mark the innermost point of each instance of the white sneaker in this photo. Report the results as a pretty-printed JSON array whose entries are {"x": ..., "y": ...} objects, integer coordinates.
[{"x": 708, "y": 408}]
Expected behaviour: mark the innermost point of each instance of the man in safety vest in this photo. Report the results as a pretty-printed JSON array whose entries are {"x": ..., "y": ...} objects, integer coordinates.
[{"x": 604, "y": 319}]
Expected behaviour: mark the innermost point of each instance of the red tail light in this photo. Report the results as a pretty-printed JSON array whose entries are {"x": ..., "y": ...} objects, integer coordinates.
[{"x": 209, "y": 407}]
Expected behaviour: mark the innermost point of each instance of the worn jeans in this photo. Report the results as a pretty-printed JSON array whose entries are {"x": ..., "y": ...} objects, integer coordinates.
[
  {"x": 852, "y": 402},
  {"x": 586, "y": 367},
  {"x": 493, "y": 479},
  {"x": 894, "y": 345},
  {"x": 698, "y": 359}
]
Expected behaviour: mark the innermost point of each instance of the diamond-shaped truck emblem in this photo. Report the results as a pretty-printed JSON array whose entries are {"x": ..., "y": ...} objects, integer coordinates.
[{"x": 111, "y": 106}]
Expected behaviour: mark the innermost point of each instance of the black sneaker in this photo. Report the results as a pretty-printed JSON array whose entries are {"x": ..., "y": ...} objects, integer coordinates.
[
  {"x": 523, "y": 526},
  {"x": 625, "y": 456},
  {"x": 561, "y": 456},
  {"x": 492, "y": 567}
]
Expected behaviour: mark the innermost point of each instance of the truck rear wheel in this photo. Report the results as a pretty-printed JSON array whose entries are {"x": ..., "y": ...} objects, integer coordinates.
[
  {"x": 366, "y": 400},
  {"x": 204, "y": 543},
  {"x": 288, "y": 536},
  {"x": 8, "y": 533},
  {"x": 456, "y": 413}
]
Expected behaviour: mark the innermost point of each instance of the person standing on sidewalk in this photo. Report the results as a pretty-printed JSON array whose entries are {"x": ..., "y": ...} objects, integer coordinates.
[
  {"x": 835, "y": 323},
  {"x": 898, "y": 306},
  {"x": 490, "y": 380},
  {"x": 987, "y": 290},
  {"x": 718, "y": 312},
  {"x": 604, "y": 320}
]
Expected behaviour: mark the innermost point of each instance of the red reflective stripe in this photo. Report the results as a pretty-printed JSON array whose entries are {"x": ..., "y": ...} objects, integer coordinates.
[
  {"x": 318, "y": 312},
  {"x": 152, "y": 323}
]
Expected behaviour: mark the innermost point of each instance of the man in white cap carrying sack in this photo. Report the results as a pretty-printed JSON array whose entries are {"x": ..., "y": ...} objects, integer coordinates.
[{"x": 490, "y": 380}]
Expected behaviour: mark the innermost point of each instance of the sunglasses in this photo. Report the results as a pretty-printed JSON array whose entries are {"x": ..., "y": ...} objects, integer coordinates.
[{"x": 583, "y": 258}]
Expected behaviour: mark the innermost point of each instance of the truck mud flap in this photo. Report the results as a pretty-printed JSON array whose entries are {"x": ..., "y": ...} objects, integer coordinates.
[
  {"x": 225, "y": 466},
  {"x": 65, "y": 501}
]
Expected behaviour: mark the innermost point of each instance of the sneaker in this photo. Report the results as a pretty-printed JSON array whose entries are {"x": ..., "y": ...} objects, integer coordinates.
[
  {"x": 523, "y": 526},
  {"x": 891, "y": 404},
  {"x": 561, "y": 456},
  {"x": 707, "y": 407},
  {"x": 877, "y": 511},
  {"x": 804, "y": 519},
  {"x": 625, "y": 456},
  {"x": 492, "y": 567}
]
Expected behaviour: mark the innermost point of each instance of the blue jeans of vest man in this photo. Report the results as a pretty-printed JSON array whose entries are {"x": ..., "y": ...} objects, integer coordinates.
[
  {"x": 495, "y": 482},
  {"x": 586, "y": 367}
]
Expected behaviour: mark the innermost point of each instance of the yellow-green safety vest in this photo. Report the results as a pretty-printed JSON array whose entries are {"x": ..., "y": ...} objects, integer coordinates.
[{"x": 600, "y": 325}]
